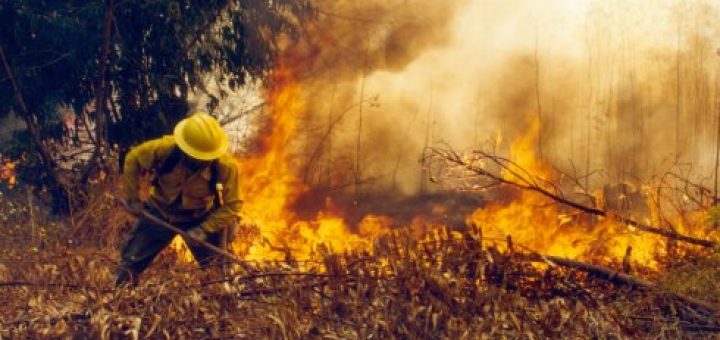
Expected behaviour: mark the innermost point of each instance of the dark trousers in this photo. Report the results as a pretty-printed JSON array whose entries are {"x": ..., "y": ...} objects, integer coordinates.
[{"x": 148, "y": 239}]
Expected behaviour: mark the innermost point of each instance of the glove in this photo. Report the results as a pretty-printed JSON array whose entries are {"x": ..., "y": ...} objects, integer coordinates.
[
  {"x": 135, "y": 207},
  {"x": 197, "y": 233}
]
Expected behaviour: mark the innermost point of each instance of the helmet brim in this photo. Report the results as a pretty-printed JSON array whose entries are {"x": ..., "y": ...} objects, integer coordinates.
[{"x": 195, "y": 153}]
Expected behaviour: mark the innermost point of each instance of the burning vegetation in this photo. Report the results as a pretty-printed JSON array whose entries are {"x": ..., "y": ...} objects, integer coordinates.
[{"x": 384, "y": 198}]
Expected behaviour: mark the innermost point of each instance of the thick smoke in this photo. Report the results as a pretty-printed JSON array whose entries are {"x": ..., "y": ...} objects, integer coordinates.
[{"x": 623, "y": 90}]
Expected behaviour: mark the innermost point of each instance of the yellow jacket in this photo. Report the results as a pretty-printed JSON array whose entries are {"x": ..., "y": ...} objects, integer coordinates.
[{"x": 194, "y": 198}]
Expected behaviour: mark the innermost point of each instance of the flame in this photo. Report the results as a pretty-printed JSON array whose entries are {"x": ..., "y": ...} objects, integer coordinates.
[
  {"x": 270, "y": 186},
  {"x": 7, "y": 172},
  {"x": 536, "y": 222},
  {"x": 181, "y": 249}
]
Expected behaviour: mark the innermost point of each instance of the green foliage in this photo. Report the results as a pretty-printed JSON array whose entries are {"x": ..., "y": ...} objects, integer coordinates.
[
  {"x": 167, "y": 47},
  {"x": 158, "y": 53},
  {"x": 47, "y": 44}
]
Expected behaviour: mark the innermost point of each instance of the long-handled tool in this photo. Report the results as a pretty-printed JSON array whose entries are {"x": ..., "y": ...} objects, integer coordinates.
[{"x": 152, "y": 218}]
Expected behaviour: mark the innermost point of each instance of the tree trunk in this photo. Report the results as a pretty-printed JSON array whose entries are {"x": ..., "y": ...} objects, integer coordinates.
[
  {"x": 101, "y": 133},
  {"x": 28, "y": 117}
]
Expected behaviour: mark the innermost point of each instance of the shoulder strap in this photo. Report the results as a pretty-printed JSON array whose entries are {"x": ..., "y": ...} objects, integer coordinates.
[
  {"x": 168, "y": 164},
  {"x": 213, "y": 184},
  {"x": 173, "y": 159}
]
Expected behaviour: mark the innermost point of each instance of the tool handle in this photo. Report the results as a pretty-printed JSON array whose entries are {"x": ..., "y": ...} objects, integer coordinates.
[{"x": 154, "y": 219}]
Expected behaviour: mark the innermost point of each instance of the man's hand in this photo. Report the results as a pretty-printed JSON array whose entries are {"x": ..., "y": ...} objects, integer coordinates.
[
  {"x": 197, "y": 233},
  {"x": 135, "y": 207}
]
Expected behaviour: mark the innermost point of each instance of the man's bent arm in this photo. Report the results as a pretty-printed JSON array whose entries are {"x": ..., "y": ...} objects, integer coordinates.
[
  {"x": 142, "y": 158},
  {"x": 229, "y": 213}
]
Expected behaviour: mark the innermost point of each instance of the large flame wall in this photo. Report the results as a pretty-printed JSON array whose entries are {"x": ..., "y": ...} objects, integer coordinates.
[{"x": 622, "y": 89}]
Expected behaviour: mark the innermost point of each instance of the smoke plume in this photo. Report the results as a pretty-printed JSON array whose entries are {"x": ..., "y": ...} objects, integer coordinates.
[{"x": 624, "y": 90}]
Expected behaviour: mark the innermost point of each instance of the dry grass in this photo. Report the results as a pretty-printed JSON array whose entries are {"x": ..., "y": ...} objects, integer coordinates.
[
  {"x": 447, "y": 286},
  {"x": 698, "y": 277}
]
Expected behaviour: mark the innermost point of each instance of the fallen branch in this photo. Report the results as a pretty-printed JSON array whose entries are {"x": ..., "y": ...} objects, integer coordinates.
[
  {"x": 532, "y": 185},
  {"x": 620, "y": 278}
]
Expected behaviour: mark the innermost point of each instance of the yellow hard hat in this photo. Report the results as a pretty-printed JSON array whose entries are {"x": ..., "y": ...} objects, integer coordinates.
[{"x": 201, "y": 137}]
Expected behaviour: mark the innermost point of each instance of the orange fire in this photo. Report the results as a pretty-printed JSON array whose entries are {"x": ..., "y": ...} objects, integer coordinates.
[
  {"x": 7, "y": 172},
  {"x": 271, "y": 186},
  {"x": 538, "y": 223}
]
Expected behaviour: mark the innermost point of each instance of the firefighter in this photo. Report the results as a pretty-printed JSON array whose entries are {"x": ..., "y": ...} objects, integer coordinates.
[{"x": 194, "y": 187}]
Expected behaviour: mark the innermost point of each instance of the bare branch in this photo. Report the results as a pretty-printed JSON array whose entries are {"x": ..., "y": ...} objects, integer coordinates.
[{"x": 531, "y": 185}]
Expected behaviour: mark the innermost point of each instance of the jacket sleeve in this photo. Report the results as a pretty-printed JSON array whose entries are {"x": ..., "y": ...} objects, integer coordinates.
[
  {"x": 229, "y": 213},
  {"x": 139, "y": 160}
]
